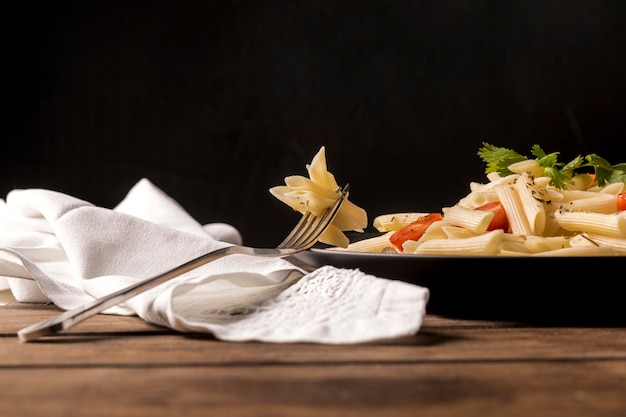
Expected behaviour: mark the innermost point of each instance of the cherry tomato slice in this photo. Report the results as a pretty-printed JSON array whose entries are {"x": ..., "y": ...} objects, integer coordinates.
[
  {"x": 413, "y": 231},
  {"x": 621, "y": 201},
  {"x": 499, "y": 221}
]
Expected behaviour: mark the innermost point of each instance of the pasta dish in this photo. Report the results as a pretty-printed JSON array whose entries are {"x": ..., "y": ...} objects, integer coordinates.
[{"x": 527, "y": 207}]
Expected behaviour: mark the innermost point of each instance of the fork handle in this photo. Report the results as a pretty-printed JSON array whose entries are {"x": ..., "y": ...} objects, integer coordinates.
[{"x": 72, "y": 317}]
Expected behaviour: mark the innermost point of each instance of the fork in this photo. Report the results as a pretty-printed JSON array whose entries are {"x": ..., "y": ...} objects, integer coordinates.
[{"x": 302, "y": 237}]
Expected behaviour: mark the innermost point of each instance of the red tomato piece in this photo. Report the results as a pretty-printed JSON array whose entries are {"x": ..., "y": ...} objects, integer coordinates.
[
  {"x": 413, "y": 231},
  {"x": 499, "y": 221},
  {"x": 621, "y": 201}
]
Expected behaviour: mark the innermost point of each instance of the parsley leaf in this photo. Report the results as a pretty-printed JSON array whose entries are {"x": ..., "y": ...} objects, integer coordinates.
[
  {"x": 557, "y": 178},
  {"x": 498, "y": 160},
  {"x": 605, "y": 172},
  {"x": 552, "y": 167}
]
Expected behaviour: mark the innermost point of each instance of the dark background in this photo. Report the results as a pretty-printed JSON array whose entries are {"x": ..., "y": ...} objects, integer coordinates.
[{"x": 216, "y": 102}]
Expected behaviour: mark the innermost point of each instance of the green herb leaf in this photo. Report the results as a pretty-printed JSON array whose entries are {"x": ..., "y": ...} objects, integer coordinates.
[
  {"x": 537, "y": 151},
  {"x": 573, "y": 164},
  {"x": 605, "y": 172},
  {"x": 557, "y": 178},
  {"x": 498, "y": 160}
]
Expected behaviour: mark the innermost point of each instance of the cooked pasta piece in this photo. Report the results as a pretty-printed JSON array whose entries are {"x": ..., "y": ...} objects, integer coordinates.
[
  {"x": 580, "y": 182},
  {"x": 435, "y": 231},
  {"x": 586, "y": 239},
  {"x": 457, "y": 232},
  {"x": 541, "y": 182},
  {"x": 377, "y": 244},
  {"x": 479, "y": 198},
  {"x": 530, "y": 166},
  {"x": 303, "y": 199},
  {"x": 514, "y": 210},
  {"x": 475, "y": 220},
  {"x": 602, "y": 250},
  {"x": 612, "y": 188},
  {"x": 395, "y": 221},
  {"x": 350, "y": 217},
  {"x": 318, "y": 171},
  {"x": 596, "y": 202},
  {"x": 553, "y": 227},
  {"x": 513, "y": 249},
  {"x": 335, "y": 235},
  {"x": 510, "y": 237},
  {"x": 410, "y": 246},
  {"x": 487, "y": 244},
  {"x": 532, "y": 204},
  {"x": 551, "y": 197},
  {"x": 610, "y": 225},
  {"x": 538, "y": 244},
  {"x": 484, "y": 193}
]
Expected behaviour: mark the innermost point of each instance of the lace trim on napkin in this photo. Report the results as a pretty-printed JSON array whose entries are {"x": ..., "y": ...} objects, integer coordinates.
[{"x": 329, "y": 305}]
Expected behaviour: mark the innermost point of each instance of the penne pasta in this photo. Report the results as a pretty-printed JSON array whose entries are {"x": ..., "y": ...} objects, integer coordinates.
[
  {"x": 485, "y": 244},
  {"x": 599, "y": 203},
  {"x": 514, "y": 210},
  {"x": 410, "y": 246},
  {"x": 618, "y": 244},
  {"x": 530, "y": 166},
  {"x": 479, "y": 199},
  {"x": 603, "y": 250},
  {"x": 483, "y": 194},
  {"x": 335, "y": 235},
  {"x": 553, "y": 227},
  {"x": 530, "y": 198},
  {"x": 514, "y": 249},
  {"x": 475, "y": 220},
  {"x": 350, "y": 217},
  {"x": 378, "y": 244},
  {"x": 318, "y": 171},
  {"x": 613, "y": 188},
  {"x": 302, "y": 200},
  {"x": 609, "y": 225},
  {"x": 393, "y": 222},
  {"x": 435, "y": 231},
  {"x": 457, "y": 232},
  {"x": 536, "y": 244}
]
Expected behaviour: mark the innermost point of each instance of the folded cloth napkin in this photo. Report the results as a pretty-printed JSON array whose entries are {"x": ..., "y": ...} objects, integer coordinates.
[{"x": 60, "y": 249}]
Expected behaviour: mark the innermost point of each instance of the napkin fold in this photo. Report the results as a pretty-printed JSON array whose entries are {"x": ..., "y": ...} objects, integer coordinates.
[{"x": 55, "y": 248}]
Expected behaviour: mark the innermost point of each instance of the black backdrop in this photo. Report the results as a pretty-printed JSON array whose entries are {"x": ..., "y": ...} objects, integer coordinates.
[{"x": 216, "y": 102}]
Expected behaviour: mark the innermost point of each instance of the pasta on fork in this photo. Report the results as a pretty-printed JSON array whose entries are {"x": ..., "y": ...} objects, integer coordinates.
[{"x": 317, "y": 193}]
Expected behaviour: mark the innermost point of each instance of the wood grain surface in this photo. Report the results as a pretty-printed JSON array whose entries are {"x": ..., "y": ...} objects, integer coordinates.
[{"x": 122, "y": 366}]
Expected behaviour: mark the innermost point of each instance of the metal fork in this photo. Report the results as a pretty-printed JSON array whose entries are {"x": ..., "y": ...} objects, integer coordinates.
[{"x": 302, "y": 237}]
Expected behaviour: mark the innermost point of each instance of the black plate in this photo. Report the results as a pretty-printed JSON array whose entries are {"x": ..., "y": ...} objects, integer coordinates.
[{"x": 537, "y": 290}]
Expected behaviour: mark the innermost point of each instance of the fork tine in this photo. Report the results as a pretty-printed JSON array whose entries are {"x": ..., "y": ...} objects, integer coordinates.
[
  {"x": 315, "y": 229},
  {"x": 300, "y": 229},
  {"x": 317, "y": 226},
  {"x": 306, "y": 231},
  {"x": 310, "y": 227}
]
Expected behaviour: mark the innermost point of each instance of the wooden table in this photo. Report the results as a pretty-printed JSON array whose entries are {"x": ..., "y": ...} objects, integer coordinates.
[{"x": 121, "y": 366}]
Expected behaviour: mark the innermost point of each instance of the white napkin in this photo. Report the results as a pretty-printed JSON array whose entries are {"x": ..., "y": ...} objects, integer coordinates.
[{"x": 57, "y": 248}]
